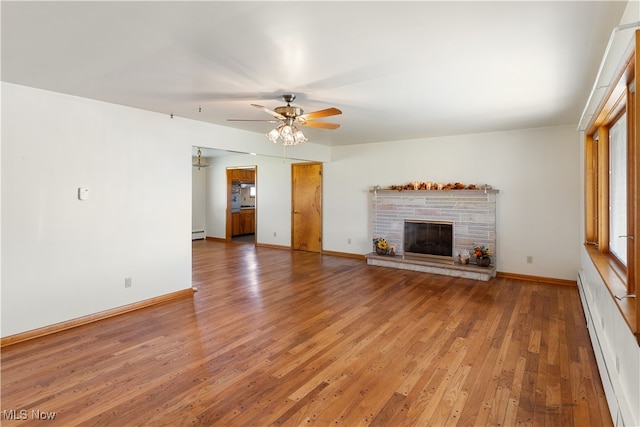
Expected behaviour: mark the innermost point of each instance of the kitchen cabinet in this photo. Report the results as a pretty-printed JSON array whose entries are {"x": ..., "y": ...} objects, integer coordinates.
[
  {"x": 243, "y": 175},
  {"x": 235, "y": 224},
  {"x": 248, "y": 221},
  {"x": 243, "y": 222}
]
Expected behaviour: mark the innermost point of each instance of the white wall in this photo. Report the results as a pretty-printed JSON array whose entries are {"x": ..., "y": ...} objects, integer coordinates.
[
  {"x": 63, "y": 258},
  {"x": 536, "y": 171}
]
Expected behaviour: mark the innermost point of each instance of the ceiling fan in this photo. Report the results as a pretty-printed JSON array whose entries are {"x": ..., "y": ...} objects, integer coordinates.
[{"x": 288, "y": 116}]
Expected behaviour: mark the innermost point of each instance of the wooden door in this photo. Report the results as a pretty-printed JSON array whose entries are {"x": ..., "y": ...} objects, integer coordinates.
[{"x": 306, "y": 206}]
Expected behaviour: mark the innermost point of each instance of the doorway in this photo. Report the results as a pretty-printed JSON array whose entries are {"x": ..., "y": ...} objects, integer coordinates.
[
  {"x": 306, "y": 207},
  {"x": 241, "y": 225}
]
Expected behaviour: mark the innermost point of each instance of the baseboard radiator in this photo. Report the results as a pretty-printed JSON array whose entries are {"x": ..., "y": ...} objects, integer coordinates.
[
  {"x": 197, "y": 235},
  {"x": 605, "y": 365}
]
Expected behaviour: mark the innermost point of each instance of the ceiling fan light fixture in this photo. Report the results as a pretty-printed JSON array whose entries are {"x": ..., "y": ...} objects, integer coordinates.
[
  {"x": 299, "y": 136},
  {"x": 273, "y": 135},
  {"x": 288, "y": 134},
  {"x": 287, "y": 137},
  {"x": 286, "y": 130}
]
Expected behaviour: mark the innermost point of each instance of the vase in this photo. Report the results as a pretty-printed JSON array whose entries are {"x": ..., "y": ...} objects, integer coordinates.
[{"x": 483, "y": 261}]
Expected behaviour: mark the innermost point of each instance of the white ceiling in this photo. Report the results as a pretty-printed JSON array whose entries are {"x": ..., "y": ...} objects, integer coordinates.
[{"x": 397, "y": 70}]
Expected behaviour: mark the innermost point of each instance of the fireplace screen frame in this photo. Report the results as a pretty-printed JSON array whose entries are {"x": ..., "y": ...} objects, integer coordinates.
[{"x": 408, "y": 254}]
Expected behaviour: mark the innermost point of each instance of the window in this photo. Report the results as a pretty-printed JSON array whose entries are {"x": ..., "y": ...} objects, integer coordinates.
[
  {"x": 618, "y": 189},
  {"x": 608, "y": 193},
  {"x": 612, "y": 183}
]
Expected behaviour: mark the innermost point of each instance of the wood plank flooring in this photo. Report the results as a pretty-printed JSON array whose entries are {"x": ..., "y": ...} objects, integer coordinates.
[{"x": 274, "y": 337}]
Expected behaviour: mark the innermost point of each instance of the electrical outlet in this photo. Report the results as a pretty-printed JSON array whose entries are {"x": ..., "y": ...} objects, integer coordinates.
[
  {"x": 349, "y": 241},
  {"x": 529, "y": 259},
  {"x": 127, "y": 282},
  {"x": 274, "y": 234},
  {"x": 618, "y": 365}
]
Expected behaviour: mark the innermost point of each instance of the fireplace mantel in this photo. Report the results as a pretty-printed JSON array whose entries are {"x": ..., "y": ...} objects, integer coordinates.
[
  {"x": 423, "y": 192},
  {"x": 473, "y": 213}
]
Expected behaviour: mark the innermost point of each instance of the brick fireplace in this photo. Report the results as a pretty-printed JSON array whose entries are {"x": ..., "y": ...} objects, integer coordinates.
[{"x": 472, "y": 212}]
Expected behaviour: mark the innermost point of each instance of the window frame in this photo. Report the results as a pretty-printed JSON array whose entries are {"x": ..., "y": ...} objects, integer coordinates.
[{"x": 621, "y": 280}]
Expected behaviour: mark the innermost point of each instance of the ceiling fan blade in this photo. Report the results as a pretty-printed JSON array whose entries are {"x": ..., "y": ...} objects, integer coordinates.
[
  {"x": 322, "y": 125},
  {"x": 268, "y": 111},
  {"x": 320, "y": 113}
]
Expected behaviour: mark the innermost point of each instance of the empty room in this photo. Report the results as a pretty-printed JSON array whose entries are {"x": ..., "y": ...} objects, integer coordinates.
[{"x": 390, "y": 213}]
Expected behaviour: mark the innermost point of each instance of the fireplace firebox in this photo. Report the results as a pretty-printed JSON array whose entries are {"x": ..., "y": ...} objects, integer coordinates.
[{"x": 428, "y": 240}]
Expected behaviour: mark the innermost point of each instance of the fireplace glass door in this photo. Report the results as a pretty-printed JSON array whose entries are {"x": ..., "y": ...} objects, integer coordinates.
[{"x": 428, "y": 239}]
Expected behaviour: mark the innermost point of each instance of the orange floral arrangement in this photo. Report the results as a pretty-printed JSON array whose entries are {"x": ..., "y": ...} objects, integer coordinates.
[{"x": 480, "y": 251}]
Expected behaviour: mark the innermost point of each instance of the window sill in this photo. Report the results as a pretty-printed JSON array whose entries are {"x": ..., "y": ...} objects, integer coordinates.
[{"x": 615, "y": 279}]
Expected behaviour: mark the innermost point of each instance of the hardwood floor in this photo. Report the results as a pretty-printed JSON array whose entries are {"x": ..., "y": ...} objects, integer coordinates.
[{"x": 274, "y": 337}]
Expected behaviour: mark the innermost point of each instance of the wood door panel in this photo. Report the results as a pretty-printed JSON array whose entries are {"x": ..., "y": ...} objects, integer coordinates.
[{"x": 306, "y": 204}]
